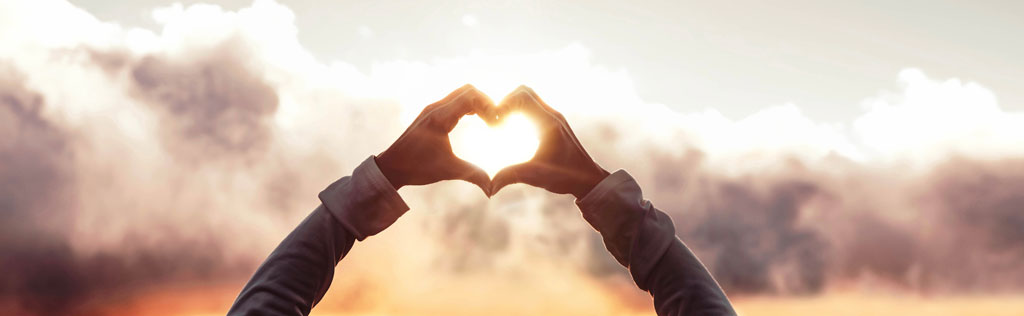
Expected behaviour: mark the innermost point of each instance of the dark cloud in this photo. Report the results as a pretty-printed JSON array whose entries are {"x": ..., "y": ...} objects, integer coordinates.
[
  {"x": 35, "y": 162},
  {"x": 752, "y": 228},
  {"x": 475, "y": 237},
  {"x": 43, "y": 274},
  {"x": 34, "y": 154},
  {"x": 795, "y": 229},
  {"x": 213, "y": 102},
  {"x": 974, "y": 227}
]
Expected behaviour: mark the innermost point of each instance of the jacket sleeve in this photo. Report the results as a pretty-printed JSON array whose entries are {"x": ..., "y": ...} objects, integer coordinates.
[
  {"x": 298, "y": 272},
  {"x": 643, "y": 239}
]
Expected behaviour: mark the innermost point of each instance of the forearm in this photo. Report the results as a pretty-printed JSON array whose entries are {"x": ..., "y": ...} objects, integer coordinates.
[
  {"x": 298, "y": 272},
  {"x": 681, "y": 285},
  {"x": 642, "y": 238}
]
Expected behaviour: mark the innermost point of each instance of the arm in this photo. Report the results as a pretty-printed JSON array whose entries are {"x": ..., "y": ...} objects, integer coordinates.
[
  {"x": 643, "y": 239},
  {"x": 298, "y": 272},
  {"x": 639, "y": 236}
]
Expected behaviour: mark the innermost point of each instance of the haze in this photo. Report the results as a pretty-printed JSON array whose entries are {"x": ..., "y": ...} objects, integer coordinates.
[{"x": 821, "y": 158}]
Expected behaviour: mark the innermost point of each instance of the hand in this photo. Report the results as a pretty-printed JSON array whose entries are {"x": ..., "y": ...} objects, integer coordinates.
[
  {"x": 561, "y": 165},
  {"x": 423, "y": 154}
]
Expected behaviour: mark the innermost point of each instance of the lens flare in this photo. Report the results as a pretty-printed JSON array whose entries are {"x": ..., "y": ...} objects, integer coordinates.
[{"x": 514, "y": 140}]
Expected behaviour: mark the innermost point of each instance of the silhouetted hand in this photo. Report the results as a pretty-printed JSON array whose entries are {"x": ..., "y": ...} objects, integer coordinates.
[
  {"x": 423, "y": 154},
  {"x": 561, "y": 165}
]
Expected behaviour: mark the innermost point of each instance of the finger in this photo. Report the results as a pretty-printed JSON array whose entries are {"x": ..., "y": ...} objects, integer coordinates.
[
  {"x": 518, "y": 99},
  {"x": 470, "y": 101},
  {"x": 448, "y": 98},
  {"x": 521, "y": 173},
  {"x": 488, "y": 111},
  {"x": 521, "y": 101},
  {"x": 455, "y": 94},
  {"x": 473, "y": 174},
  {"x": 518, "y": 102},
  {"x": 475, "y": 102},
  {"x": 540, "y": 102},
  {"x": 532, "y": 94}
]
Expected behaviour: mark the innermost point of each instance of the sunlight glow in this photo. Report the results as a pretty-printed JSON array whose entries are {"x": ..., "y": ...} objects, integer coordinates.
[{"x": 514, "y": 140}]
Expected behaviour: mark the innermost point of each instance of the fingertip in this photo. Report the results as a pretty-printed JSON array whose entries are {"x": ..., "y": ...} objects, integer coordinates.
[
  {"x": 487, "y": 191},
  {"x": 520, "y": 101},
  {"x": 452, "y": 95},
  {"x": 485, "y": 187},
  {"x": 526, "y": 90},
  {"x": 476, "y": 176},
  {"x": 465, "y": 87},
  {"x": 481, "y": 180},
  {"x": 495, "y": 187},
  {"x": 482, "y": 100},
  {"x": 513, "y": 100},
  {"x": 476, "y": 101},
  {"x": 490, "y": 116},
  {"x": 504, "y": 178}
]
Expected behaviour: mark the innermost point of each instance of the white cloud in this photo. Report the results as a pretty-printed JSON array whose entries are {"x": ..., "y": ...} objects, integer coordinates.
[
  {"x": 470, "y": 20},
  {"x": 932, "y": 119},
  {"x": 364, "y": 31}
]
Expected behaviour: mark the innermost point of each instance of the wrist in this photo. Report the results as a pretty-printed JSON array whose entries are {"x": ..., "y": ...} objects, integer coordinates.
[
  {"x": 390, "y": 171},
  {"x": 590, "y": 181}
]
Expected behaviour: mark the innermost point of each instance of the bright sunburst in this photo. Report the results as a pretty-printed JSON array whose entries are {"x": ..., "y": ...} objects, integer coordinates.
[{"x": 492, "y": 148}]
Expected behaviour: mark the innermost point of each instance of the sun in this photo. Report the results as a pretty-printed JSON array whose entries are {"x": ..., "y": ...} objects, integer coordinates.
[{"x": 514, "y": 140}]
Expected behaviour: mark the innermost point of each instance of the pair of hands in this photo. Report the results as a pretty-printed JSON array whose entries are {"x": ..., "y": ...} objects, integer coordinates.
[{"x": 423, "y": 154}]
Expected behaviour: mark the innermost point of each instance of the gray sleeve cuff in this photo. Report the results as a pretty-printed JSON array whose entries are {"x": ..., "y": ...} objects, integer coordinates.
[
  {"x": 365, "y": 203},
  {"x": 612, "y": 208},
  {"x": 636, "y": 233}
]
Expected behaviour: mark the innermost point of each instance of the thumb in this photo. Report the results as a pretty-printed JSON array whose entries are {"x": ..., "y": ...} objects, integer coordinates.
[
  {"x": 473, "y": 174},
  {"x": 521, "y": 173}
]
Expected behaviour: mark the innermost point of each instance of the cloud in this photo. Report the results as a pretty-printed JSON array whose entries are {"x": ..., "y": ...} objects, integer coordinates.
[
  {"x": 931, "y": 119},
  {"x": 34, "y": 165},
  {"x": 133, "y": 160},
  {"x": 210, "y": 102}
]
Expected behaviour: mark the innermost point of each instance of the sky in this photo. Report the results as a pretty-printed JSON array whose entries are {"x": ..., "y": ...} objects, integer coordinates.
[
  {"x": 814, "y": 157},
  {"x": 733, "y": 56}
]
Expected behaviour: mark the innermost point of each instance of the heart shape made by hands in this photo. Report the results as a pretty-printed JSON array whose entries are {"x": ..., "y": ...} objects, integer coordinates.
[{"x": 514, "y": 139}]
